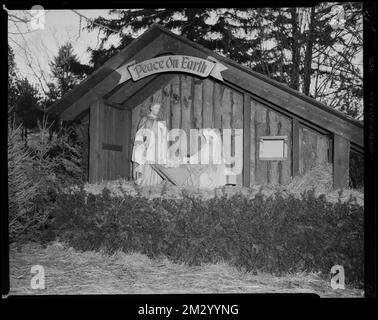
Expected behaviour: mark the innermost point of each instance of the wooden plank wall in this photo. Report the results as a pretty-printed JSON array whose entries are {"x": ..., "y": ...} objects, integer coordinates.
[
  {"x": 82, "y": 130},
  {"x": 313, "y": 149},
  {"x": 341, "y": 151},
  {"x": 109, "y": 127},
  {"x": 266, "y": 122},
  {"x": 189, "y": 102}
]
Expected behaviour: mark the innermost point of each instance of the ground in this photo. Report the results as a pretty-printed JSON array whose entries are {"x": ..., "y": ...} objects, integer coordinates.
[{"x": 68, "y": 271}]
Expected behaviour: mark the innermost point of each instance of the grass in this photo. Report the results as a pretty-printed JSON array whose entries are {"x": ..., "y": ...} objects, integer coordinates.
[{"x": 68, "y": 271}]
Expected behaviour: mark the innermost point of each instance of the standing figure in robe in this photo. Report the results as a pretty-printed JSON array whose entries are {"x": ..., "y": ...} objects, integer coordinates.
[{"x": 146, "y": 149}]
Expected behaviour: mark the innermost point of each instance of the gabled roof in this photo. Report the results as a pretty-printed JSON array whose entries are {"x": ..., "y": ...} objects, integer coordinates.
[{"x": 158, "y": 40}]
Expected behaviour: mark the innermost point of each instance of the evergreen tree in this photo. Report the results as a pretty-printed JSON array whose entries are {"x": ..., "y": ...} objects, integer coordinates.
[
  {"x": 221, "y": 30},
  {"x": 28, "y": 107},
  {"x": 12, "y": 81},
  {"x": 67, "y": 71}
]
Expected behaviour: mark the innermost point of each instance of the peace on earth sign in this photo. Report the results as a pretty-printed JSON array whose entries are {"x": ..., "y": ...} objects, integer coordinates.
[{"x": 172, "y": 63}]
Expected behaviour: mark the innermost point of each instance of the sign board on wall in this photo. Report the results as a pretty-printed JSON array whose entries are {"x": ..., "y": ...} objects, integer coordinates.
[{"x": 172, "y": 63}]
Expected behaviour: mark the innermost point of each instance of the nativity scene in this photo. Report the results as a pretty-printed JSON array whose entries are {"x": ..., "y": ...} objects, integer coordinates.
[{"x": 145, "y": 102}]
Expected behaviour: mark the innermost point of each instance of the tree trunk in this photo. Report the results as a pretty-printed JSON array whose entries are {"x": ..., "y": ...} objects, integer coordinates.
[
  {"x": 308, "y": 54},
  {"x": 295, "y": 50}
]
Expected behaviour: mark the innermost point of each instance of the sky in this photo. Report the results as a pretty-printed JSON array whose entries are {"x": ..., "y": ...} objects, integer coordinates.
[{"x": 60, "y": 26}]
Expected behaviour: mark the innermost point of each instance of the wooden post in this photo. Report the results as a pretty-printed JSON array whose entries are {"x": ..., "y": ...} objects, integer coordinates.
[
  {"x": 94, "y": 142},
  {"x": 341, "y": 150},
  {"x": 296, "y": 155},
  {"x": 128, "y": 143},
  {"x": 246, "y": 140}
]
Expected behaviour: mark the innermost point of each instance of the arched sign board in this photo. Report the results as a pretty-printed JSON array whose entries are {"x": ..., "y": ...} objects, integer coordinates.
[{"x": 172, "y": 63}]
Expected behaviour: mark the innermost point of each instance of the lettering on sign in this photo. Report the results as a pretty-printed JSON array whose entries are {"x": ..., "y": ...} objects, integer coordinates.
[{"x": 177, "y": 63}]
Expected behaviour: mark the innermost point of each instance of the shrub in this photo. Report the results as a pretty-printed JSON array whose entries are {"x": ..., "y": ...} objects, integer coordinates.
[
  {"x": 276, "y": 234},
  {"x": 22, "y": 190},
  {"x": 37, "y": 173}
]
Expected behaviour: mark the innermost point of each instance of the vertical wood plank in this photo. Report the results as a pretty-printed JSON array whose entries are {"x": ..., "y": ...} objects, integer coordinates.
[
  {"x": 252, "y": 143},
  {"x": 176, "y": 103},
  {"x": 104, "y": 156},
  {"x": 107, "y": 127},
  {"x": 313, "y": 137},
  {"x": 166, "y": 105},
  {"x": 119, "y": 136},
  {"x": 197, "y": 87},
  {"x": 112, "y": 156},
  {"x": 261, "y": 129},
  {"x": 322, "y": 150},
  {"x": 226, "y": 124},
  {"x": 295, "y": 146},
  {"x": 118, "y": 130},
  {"x": 285, "y": 166},
  {"x": 186, "y": 105},
  {"x": 273, "y": 174},
  {"x": 310, "y": 147},
  {"x": 246, "y": 140},
  {"x": 300, "y": 142},
  {"x": 207, "y": 113},
  {"x": 157, "y": 96},
  {"x": 127, "y": 143},
  {"x": 135, "y": 121},
  {"x": 102, "y": 163},
  {"x": 94, "y": 142},
  {"x": 341, "y": 151},
  {"x": 197, "y": 103},
  {"x": 313, "y": 149},
  {"x": 115, "y": 163},
  {"x": 217, "y": 101},
  {"x": 109, "y": 135},
  {"x": 237, "y": 123},
  {"x": 226, "y": 108},
  {"x": 145, "y": 107}
]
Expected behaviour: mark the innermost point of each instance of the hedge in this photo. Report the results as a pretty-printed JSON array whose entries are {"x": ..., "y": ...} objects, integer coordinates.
[{"x": 275, "y": 234}]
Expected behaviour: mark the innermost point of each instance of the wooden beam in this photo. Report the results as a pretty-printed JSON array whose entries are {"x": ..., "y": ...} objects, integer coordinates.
[
  {"x": 246, "y": 140},
  {"x": 94, "y": 142},
  {"x": 341, "y": 150},
  {"x": 127, "y": 89},
  {"x": 295, "y": 148},
  {"x": 112, "y": 104},
  {"x": 128, "y": 143},
  {"x": 145, "y": 91}
]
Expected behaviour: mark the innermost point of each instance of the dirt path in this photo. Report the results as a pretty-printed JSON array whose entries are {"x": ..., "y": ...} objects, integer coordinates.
[{"x": 68, "y": 271}]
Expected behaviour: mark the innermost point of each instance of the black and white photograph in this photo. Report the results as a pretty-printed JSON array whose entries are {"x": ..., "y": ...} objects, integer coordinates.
[{"x": 188, "y": 151}]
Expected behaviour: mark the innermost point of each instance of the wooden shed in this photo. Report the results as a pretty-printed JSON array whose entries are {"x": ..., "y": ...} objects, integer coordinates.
[{"x": 199, "y": 88}]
